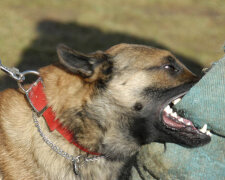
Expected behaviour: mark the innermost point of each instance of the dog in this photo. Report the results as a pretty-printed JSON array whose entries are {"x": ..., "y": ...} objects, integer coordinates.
[{"x": 113, "y": 102}]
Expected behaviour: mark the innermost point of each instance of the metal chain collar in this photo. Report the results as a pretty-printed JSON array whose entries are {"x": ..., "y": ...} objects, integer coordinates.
[{"x": 77, "y": 161}]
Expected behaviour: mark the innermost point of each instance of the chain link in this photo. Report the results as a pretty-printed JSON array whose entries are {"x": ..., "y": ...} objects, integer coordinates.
[
  {"x": 50, "y": 143},
  {"x": 78, "y": 161}
]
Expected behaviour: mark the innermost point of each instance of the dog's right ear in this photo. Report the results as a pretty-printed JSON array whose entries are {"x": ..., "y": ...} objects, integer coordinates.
[{"x": 79, "y": 63}]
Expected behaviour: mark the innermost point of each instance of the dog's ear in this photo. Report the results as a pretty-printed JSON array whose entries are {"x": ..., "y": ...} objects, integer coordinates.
[{"x": 79, "y": 63}]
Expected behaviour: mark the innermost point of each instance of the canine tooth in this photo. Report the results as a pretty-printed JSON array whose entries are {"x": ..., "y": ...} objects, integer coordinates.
[
  {"x": 208, "y": 133},
  {"x": 204, "y": 128},
  {"x": 167, "y": 108},
  {"x": 188, "y": 123},
  {"x": 176, "y": 101}
]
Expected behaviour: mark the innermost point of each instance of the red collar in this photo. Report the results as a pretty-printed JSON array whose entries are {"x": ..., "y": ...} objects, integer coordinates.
[{"x": 38, "y": 101}]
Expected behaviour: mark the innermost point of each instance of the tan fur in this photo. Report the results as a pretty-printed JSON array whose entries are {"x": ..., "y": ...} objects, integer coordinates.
[{"x": 24, "y": 155}]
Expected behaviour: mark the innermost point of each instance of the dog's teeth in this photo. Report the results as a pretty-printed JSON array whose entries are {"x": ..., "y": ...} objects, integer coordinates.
[
  {"x": 204, "y": 128},
  {"x": 174, "y": 114},
  {"x": 208, "y": 133},
  {"x": 176, "y": 101},
  {"x": 181, "y": 120},
  {"x": 188, "y": 123},
  {"x": 168, "y": 109}
]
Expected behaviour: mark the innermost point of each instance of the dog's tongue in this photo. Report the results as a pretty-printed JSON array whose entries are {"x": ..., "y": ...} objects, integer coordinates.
[
  {"x": 170, "y": 122},
  {"x": 175, "y": 123}
]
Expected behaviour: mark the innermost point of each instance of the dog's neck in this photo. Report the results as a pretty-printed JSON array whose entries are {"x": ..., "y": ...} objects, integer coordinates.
[
  {"x": 72, "y": 100},
  {"x": 67, "y": 94},
  {"x": 64, "y": 90}
]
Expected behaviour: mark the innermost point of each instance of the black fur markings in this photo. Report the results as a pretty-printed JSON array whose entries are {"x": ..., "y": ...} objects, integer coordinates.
[
  {"x": 170, "y": 59},
  {"x": 152, "y": 68},
  {"x": 107, "y": 71},
  {"x": 139, "y": 130},
  {"x": 138, "y": 106},
  {"x": 107, "y": 68}
]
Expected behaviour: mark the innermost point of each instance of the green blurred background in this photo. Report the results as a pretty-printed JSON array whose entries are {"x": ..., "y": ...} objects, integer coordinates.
[{"x": 194, "y": 30}]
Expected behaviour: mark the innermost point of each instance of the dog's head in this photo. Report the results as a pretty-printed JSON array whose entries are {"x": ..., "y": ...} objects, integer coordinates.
[{"x": 135, "y": 89}]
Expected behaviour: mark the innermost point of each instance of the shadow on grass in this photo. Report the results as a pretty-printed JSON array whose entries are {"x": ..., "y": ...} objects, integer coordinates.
[{"x": 42, "y": 51}]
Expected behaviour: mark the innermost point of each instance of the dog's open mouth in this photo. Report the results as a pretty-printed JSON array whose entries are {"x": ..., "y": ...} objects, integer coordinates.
[{"x": 184, "y": 128}]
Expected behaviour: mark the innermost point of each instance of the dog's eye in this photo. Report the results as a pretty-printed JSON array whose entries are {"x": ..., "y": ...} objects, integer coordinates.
[{"x": 170, "y": 67}]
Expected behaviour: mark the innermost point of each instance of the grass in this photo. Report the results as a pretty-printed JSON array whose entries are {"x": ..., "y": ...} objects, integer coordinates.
[{"x": 30, "y": 30}]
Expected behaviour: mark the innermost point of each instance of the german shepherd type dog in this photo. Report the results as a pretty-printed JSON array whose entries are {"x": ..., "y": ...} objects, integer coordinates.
[{"x": 113, "y": 101}]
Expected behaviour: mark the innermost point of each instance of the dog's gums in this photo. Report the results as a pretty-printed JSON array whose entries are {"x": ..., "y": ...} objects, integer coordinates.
[{"x": 175, "y": 122}]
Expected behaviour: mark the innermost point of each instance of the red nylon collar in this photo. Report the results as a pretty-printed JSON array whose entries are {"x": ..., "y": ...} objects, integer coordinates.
[{"x": 38, "y": 101}]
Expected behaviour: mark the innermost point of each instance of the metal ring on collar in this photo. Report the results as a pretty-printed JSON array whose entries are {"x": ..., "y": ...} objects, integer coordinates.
[{"x": 23, "y": 74}]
